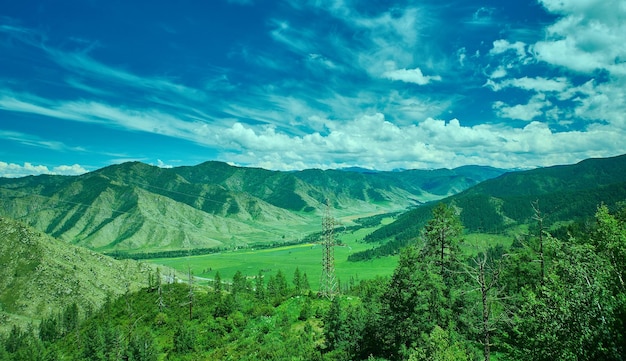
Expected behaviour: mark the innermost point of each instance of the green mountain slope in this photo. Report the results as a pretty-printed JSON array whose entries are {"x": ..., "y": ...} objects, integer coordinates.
[
  {"x": 564, "y": 193},
  {"x": 41, "y": 275},
  {"x": 137, "y": 207}
]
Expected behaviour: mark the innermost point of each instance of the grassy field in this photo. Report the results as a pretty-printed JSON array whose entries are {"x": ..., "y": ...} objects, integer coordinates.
[{"x": 306, "y": 257}]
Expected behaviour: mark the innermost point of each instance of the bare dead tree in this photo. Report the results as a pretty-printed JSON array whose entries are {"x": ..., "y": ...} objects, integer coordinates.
[
  {"x": 539, "y": 218},
  {"x": 190, "y": 292},
  {"x": 486, "y": 276},
  {"x": 160, "y": 302}
]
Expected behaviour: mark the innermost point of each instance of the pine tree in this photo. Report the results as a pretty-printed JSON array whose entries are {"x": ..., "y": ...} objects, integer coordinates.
[
  {"x": 442, "y": 236},
  {"x": 297, "y": 281},
  {"x": 259, "y": 287},
  {"x": 413, "y": 303}
]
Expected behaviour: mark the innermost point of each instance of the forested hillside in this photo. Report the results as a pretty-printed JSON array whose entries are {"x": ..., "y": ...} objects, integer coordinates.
[
  {"x": 543, "y": 299},
  {"x": 41, "y": 275},
  {"x": 564, "y": 193},
  {"x": 141, "y": 208}
]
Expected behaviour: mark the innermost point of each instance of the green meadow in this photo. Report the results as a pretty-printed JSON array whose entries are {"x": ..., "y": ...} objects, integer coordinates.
[{"x": 306, "y": 257}]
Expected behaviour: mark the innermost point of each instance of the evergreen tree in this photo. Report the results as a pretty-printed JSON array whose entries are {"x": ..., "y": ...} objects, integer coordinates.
[
  {"x": 413, "y": 303},
  {"x": 217, "y": 283},
  {"x": 305, "y": 286},
  {"x": 70, "y": 318},
  {"x": 239, "y": 283},
  {"x": 442, "y": 236},
  {"x": 49, "y": 329},
  {"x": 259, "y": 287},
  {"x": 94, "y": 348},
  {"x": 334, "y": 320},
  {"x": 297, "y": 281},
  {"x": 141, "y": 347},
  {"x": 184, "y": 338}
]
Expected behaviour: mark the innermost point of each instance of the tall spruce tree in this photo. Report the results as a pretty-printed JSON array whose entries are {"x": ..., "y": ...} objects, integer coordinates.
[{"x": 442, "y": 235}]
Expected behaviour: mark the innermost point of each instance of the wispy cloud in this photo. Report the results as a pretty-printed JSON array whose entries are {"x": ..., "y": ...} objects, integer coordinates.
[
  {"x": 83, "y": 64},
  {"x": 583, "y": 45},
  {"x": 357, "y": 87}
]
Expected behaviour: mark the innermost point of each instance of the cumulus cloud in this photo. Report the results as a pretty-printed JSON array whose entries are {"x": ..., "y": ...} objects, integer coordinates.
[
  {"x": 12, "y": 170},
  {"x": 588, "y": 36},
  {"x": 527, "y": 112},
  {"x": 500, "y": 72},
  {"x": 501, "y": 46},
  {"x": 162, "y": 164},
  {"x": 372, "y": 141},
  {"x": 414, "y": 76}
]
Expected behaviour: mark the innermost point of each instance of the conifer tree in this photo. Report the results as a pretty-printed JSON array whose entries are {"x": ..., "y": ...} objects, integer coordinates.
[{"x": 441, "y": 240}]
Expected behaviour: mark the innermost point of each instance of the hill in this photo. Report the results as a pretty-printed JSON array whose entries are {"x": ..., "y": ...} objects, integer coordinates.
[
  {"x": 564, "y": 193},
  {"x": 141, "y": 208},
  {"x": 41, "y": 275}
]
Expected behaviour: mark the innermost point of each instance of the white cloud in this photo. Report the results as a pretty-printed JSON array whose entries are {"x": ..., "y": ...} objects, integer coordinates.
[
  {"x": 414, "y": 76},
  {"x": 501, "y": 46},
  {"x": 321, "y": 60},
  {"x": 500, "y": 72},
  {"x": 12, "y": 170},
  {"x": 588, "y": 36},
  {"x": 162, "y": 164},
  {"x": 69, "y": 170},
  {"x": 367, "y": 140},
  {"x": 373, "y": 142},
  {"x": 537, "y": 84},
  {"x": 527, "y": 112}
]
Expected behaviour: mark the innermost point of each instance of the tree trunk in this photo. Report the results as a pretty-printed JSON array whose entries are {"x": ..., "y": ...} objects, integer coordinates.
[{"x": 484, "y": 290}]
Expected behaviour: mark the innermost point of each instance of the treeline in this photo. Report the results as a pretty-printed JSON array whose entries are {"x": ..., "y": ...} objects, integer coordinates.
[
  {"x": 483, "y": 213},
  {"x": 310, "y": 238},
  {"x": 164, "y": 254}
]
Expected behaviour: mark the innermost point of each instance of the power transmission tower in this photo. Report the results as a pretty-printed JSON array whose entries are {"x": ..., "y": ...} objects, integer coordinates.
[{"x": 328, "y": 283}]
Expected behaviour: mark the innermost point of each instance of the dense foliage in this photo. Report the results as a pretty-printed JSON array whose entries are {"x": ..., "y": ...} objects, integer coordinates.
[{"x": 544, "y": 298}]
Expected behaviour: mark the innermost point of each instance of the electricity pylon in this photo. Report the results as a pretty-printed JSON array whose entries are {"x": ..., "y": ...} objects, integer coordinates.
[{"x": 328, "y": 282}]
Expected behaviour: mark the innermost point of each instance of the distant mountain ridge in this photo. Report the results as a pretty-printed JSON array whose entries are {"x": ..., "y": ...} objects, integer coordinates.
[
  {"x": 137, "y": 207},
  {"x": 563, "y": 193}
]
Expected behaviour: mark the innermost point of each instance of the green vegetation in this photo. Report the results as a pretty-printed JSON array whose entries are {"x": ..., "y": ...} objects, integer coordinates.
[
  {"x": 503, "y": 204},
  {"x": 528, "y": 267},
  {"x": 40, "y": 275},
  {"x": 542, "y": 298},
  {"x": 307, "y": 257}
]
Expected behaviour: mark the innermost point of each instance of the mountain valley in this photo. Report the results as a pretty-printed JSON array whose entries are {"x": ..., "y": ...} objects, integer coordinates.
[{"x": 135, "y": 207}]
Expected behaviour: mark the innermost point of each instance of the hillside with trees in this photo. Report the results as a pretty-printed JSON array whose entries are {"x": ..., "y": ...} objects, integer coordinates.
[
  {"x": 564, "y": 193},
  {"x": 41, "y": 275},
  {"x": 543, "y": 298}
]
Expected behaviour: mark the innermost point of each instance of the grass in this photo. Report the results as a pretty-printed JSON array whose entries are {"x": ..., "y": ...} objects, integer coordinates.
[{"x": 306, "y": 257}]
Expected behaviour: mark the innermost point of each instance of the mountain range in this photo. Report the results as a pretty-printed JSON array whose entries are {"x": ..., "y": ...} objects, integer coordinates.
[
  {"x": 561, "y": 193},
  {"x": 135, "y": 207}
]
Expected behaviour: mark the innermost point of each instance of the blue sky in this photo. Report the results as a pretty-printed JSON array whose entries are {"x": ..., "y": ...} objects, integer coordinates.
[{"x": 300, "y": 84}]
